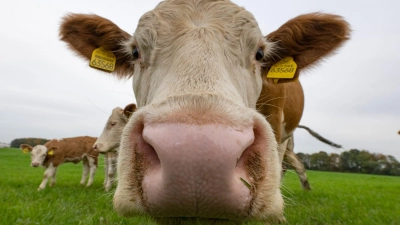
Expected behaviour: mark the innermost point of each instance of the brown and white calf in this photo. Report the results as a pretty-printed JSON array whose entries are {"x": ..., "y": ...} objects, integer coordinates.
[
  {"x": 108, "y": 142},
  {"x": 208, "y": 139},
  {"x": 59, "y": 151}
]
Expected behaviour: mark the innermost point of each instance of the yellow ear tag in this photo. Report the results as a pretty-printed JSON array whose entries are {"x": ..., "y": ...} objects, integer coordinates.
[
  {"x": 284, "y": 69},
  {"x": 51, "y": 152},
  {"x": 25, "y": 151},
  {"x": 103, "y": 59}
]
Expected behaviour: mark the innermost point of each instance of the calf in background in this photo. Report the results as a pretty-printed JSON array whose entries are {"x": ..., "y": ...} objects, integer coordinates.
[
  {"x": 108, "y": 142},
  {"x": 59, "y": 151}
]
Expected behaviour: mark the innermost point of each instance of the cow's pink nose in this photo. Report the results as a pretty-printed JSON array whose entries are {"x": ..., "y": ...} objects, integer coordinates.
[
  {"x": 189, "y": 166},
  {"x": 35, "y": 164}
]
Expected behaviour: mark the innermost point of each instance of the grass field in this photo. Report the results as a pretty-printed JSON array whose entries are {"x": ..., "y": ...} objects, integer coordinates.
[{"x": 336, "y": 198}]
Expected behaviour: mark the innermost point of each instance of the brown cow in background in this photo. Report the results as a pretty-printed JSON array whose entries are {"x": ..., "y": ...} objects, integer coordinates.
[{"x": 59, "y": 151}]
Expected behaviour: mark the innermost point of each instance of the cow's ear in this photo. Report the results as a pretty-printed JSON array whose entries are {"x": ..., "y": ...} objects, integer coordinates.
[
  {"x": 129, "y": 110},
  {"x": 26, "y": 148},
  {"x": 84, "y": 33},
  {"x": 307, "y": 39},
  {"x": 52, "y": 150}
]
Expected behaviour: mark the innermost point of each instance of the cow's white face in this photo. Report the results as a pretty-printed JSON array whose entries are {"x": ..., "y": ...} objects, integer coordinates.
[
  {"x": 197, "y": 148},
  {"x": 111, "y": 135},
  {"x": 38, "y": 155},
  {"x": 209, "y": 49},
  {"x": 197, "y": 78}
]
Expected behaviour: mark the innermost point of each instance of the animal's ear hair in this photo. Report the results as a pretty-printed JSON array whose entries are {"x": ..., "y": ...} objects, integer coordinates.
[
  {"x": 26, "y": 147},
  {"x": 129, "y": 110},
  {"x": 84, "y": 33},
  {"x": 307, "y": 38}
]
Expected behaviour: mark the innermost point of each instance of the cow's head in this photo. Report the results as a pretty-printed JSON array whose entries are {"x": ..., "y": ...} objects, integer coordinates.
[
  {"x": 39, "y": 153},
  {"x": 111, "y": 136},
  {"x": 197, "y": 148}
]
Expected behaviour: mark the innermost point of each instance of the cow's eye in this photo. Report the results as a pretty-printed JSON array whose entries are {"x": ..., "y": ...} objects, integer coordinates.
[
  {"x": 135, "y": 53},
  {"x": 259, "y": 54},
  {"x": 113, "y": 124}
]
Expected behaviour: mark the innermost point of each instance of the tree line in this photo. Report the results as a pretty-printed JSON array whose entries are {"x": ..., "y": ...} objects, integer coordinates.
[
  {"x": 354, "y": 161},
  {"x": 30, "y": 141}
]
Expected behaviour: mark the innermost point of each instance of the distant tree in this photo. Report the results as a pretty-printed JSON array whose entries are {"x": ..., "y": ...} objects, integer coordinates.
[
  {"x": 345, "y": 162},
  {"x": 306, "y": 158},
  {"x": 354, "y": 162},
  {"x": 323, "y": 160},
  {"x": 395, "y": 166},
  {"x": 334, "y": 162},
  {"x": 30, "y": 141},
  {"x": 320, "y": 161}
]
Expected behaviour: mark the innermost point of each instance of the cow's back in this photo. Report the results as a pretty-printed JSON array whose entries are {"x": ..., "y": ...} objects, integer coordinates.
[{"x": 72, "y": 149}]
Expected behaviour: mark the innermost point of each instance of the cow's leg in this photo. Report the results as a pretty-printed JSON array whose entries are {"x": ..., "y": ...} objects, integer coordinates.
[
  {"x": 281, "y": 152},
  {"x": 53, "y": 177},
  {"x": 50, "y": 171},
  {"x": 111, "y": 162},
  {"x": 93, "y": 167},
  {"x": 292, "y": 159},
  {"x": 105, "y": 171},
  {"x": 85, "y": 171}
]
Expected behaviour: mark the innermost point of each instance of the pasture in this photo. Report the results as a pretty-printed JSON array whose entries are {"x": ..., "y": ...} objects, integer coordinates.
[{"x": 336, "y": 198}]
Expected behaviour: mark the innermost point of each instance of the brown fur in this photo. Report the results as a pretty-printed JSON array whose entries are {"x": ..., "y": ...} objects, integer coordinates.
[
  {"x": 57, "y": 152},
  {"x": 308, "y": 39},
  {"x": 70, "y": 148},
  {"x": 85, "y": 33}
]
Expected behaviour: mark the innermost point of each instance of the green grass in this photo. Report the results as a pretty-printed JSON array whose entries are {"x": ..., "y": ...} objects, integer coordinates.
[
  {"x": 336, "y": 198},
  {"x": 343, "y": 198},
  {"x": 66, "y": 203}
]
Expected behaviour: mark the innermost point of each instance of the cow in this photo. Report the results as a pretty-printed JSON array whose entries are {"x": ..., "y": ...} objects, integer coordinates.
[
  {"x": 58, "y": 151},
  {"x": 290, "y": 158},
  {"x": 214, "y": 119},
  {"x": 108, "y": 142}
]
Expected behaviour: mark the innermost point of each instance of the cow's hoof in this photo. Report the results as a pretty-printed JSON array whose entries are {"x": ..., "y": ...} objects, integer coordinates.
[{"x": 306, "y": 186}]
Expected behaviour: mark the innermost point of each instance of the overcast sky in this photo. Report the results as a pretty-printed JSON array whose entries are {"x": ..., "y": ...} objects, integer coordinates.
[{"x": 352, "y": 98}]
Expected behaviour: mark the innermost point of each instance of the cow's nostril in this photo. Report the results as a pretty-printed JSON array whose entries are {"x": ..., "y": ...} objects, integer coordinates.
[{"x": 149, "y": 153}]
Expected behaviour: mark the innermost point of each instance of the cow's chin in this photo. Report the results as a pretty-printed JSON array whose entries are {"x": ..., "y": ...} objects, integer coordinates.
[{"x": 228, "y": 172}]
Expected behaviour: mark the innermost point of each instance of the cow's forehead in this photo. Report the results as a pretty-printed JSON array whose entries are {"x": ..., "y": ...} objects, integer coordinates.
[
  {"x": 39, "y": 149},
  {"x": 116, "y": 115},
  {"x": 174, "y": 21}
]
